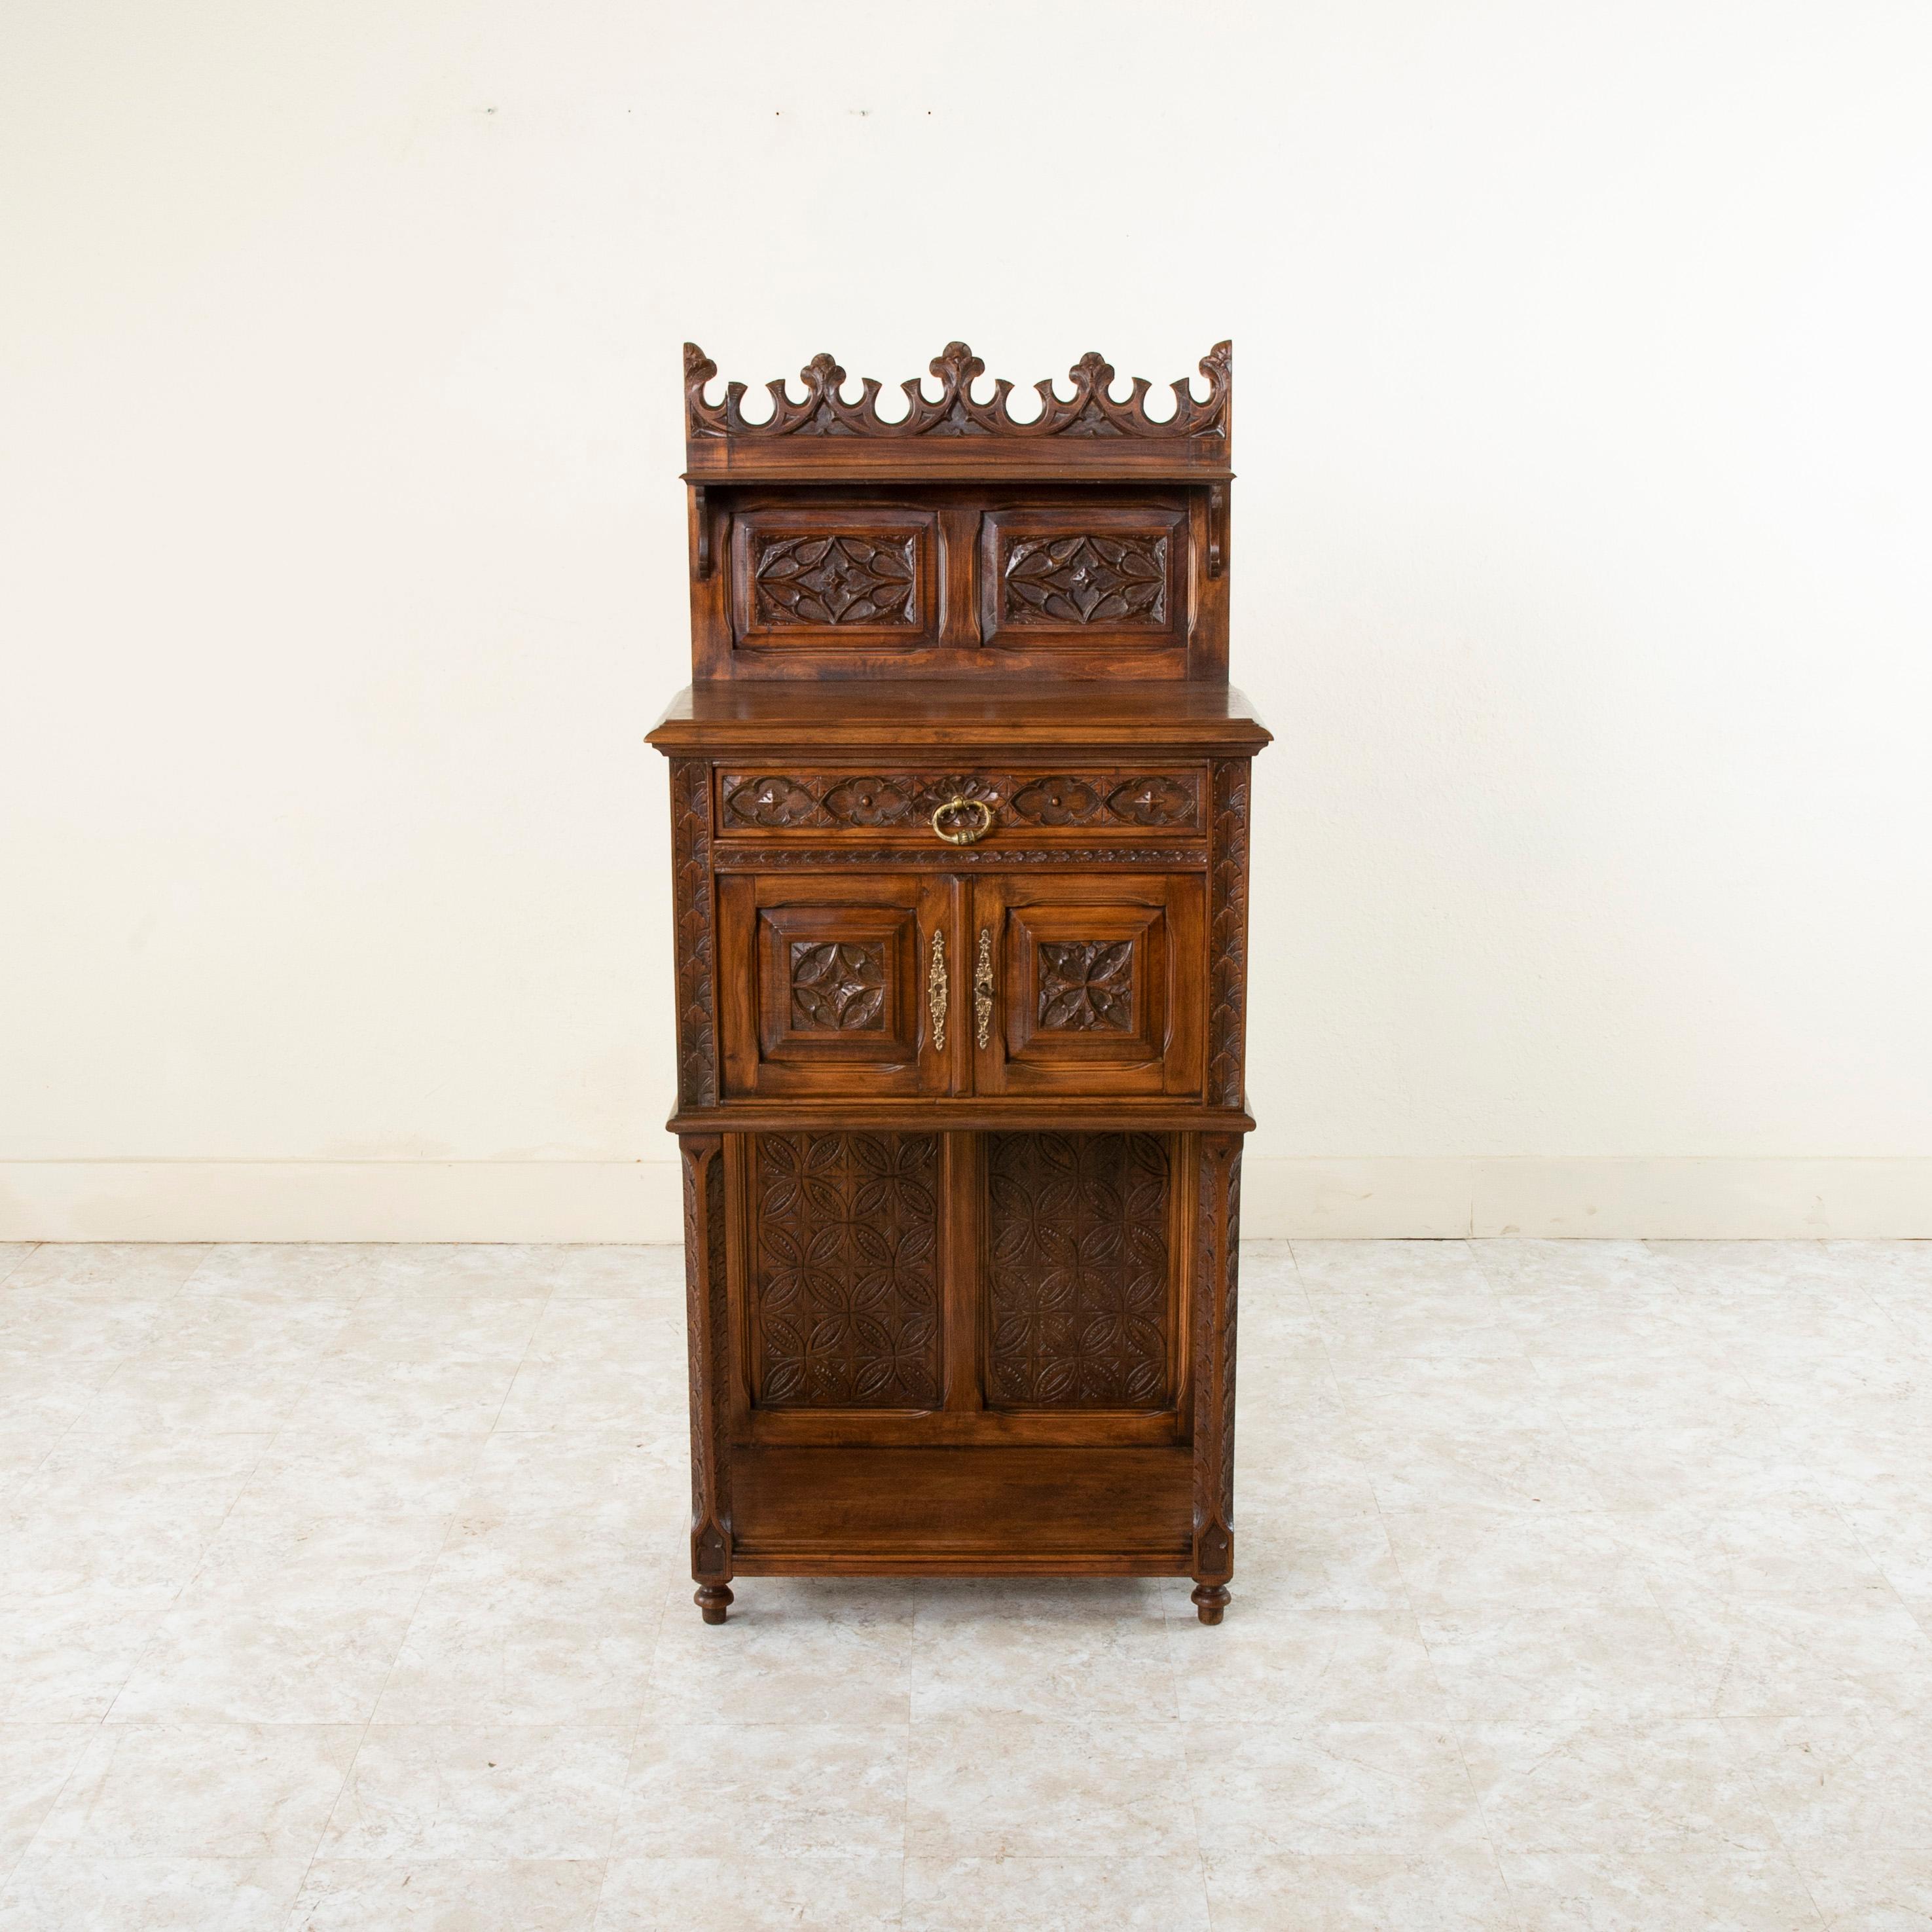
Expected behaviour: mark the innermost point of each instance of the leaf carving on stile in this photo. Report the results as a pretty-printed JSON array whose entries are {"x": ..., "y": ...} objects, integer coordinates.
[
  {"x": 836, "y": 579},
  {"x": 1078, "y": 1276},
  {"x": 838, "y": 988},
  {"x": 1095, "y": 579},
  {"x": 1228, "y": 935},
  {"x": 844, "y": 1294},
  {"x": 692, "y": 902},
  {"x": 1087, "y": 986}
]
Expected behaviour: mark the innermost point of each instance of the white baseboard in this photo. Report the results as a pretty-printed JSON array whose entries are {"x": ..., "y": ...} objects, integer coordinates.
[
  {"x": 1602, "y": 1199},
  {"x": 637, "y": 1201},
  {"x": 340, "y": 1200}
]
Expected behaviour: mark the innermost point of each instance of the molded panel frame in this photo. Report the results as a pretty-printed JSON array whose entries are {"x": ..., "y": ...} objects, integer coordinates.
[
  {"x": 766, "y": 1053},
  {"x": 1132, "y": 525},
  {"x": 1161, "y": 916},
  {"x": 804, "y": 520}
]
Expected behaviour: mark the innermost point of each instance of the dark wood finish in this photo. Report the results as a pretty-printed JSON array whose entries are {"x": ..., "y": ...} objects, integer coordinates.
[
  {"x": 1096, "y": 986},
  {"x": 1040, "y": 803},
  {"x": 955, "y": 581},
  {"x": 959, "y": 823},
  {"x": 1217, "y": 1211},
  {"x": 998, "y": 718},
  {"x": 798, "y": 952},
  {"x": 994, "y": 1511},
  {"x": 707, "y": 1322},
  {"x": 843, "y": 1302},
  {"x": 1081, "y": 1308}
]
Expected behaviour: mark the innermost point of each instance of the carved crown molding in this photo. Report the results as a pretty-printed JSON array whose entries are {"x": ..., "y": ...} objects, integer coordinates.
[{"x": 1091, "y": 411}]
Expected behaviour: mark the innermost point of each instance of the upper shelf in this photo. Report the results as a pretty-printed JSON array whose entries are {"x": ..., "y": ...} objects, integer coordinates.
[{"x": 1086, "y": 437}]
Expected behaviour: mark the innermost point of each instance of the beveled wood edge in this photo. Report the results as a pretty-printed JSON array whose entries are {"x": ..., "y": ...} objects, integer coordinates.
[
  {"x": 795, "y": 738},
  {"x": 728, "y": 464},
  {"x": 806, "y": 857},
  {"x": 976, "y": 1114}
]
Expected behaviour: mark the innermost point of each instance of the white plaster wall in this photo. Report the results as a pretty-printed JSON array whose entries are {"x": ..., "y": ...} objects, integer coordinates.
[{"x": 1581, "y": 566}]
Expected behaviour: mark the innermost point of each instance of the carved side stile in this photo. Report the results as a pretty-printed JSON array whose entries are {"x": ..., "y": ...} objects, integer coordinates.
[
  {"x": 696, "y": 915},
  {"x": 1217, "y": 1234},
  {"x": 706, "y": 1324},
  {"x": 1228, "y": 934}
]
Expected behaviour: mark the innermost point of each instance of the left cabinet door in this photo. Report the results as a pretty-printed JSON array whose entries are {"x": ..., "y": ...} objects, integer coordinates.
[{"x": 839, "y": 984}]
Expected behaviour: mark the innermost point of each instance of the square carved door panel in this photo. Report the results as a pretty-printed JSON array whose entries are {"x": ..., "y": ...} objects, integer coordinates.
[
  {"x": 1087, "y": 986},
  {"x": 836, "y": 576},
  {"x": 1096, "y": 576},
  {"x": 829, "y": 984}
]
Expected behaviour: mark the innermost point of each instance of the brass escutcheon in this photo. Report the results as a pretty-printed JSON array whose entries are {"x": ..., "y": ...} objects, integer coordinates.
[{"x": 965, "y": 835}]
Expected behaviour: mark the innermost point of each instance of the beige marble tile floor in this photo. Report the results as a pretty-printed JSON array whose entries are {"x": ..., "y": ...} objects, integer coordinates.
[{"x": 1582, "y": 1587}]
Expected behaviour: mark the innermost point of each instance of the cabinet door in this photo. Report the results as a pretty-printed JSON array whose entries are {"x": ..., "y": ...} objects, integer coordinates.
[
  {"x": 1087, "y": 986},
  {"x": 836, "y": 986}
]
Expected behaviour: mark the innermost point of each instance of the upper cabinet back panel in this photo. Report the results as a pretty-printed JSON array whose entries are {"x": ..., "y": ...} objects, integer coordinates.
[{"x": 1089, "y": 542}]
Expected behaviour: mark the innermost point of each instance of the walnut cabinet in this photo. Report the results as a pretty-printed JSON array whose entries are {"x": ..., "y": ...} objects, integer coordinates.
[{"x": 960, "y": 840}]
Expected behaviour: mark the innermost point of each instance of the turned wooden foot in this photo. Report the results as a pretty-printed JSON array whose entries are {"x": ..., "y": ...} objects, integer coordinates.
[
  {"x": 1211, "y": 1600},
  {"x": 713, "y": 1600}
]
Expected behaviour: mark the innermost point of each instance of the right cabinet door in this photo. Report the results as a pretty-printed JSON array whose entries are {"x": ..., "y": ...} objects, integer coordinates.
[{"x": 1088, "y": 985}]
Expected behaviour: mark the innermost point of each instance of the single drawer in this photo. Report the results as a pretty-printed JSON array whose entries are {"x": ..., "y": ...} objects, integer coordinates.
[{"x": 1034, "y": 804}]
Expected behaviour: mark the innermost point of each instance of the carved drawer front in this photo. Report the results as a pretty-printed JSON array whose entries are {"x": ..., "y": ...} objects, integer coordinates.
[
  {"x": 827, "y": 983},
  {"x": 1040, "y": 804},
  {"x": 829, "y": 576},
  {"x": 1087, "y": 985},
  {"x": 1081, "y": 1301},
  {"x": 1083, "y": 577},
  {"x": 843, "y": 1306}
]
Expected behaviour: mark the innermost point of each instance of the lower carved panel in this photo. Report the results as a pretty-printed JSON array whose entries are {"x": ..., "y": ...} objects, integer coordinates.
[
  {"x": 1079, "y": 1275},
  {"x": 844, "y": 1300}
]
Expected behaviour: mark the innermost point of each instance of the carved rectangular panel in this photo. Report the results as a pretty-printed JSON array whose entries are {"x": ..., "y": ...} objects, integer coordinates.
[
  {"x": 891, "y": 799},
  {"x": 1082, "y": 578},
  {"x": 1079, "y": 1285},
  {"x": 814, "y": 576},
  {"x": 825, "y": 983},
  {"x": 844, "y": 1309}
]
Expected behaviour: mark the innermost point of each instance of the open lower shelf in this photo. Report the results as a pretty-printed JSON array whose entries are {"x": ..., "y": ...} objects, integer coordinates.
[{"x": 1056, "y": 1511}]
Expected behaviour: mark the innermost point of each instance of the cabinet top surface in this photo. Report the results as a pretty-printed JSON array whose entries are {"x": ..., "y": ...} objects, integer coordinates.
[{"x": 908, "y": 715}]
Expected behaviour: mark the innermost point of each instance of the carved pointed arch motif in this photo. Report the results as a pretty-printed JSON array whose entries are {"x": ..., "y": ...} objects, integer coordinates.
[{"x": 1090, "y": 411}]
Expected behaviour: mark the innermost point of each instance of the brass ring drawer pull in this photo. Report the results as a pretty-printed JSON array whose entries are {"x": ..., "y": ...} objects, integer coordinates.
[{"x": 964, "y": 835}]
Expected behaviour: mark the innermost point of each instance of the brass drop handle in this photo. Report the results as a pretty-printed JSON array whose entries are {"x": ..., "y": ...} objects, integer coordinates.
[
  {"x": 936, "y": 989},
  {"x": 982, "y": 988},
  {"x": 967, "y": 834}
]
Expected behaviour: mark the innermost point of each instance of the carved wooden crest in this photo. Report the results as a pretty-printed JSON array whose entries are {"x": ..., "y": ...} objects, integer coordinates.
[{"x": 1091, "y": 411}]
